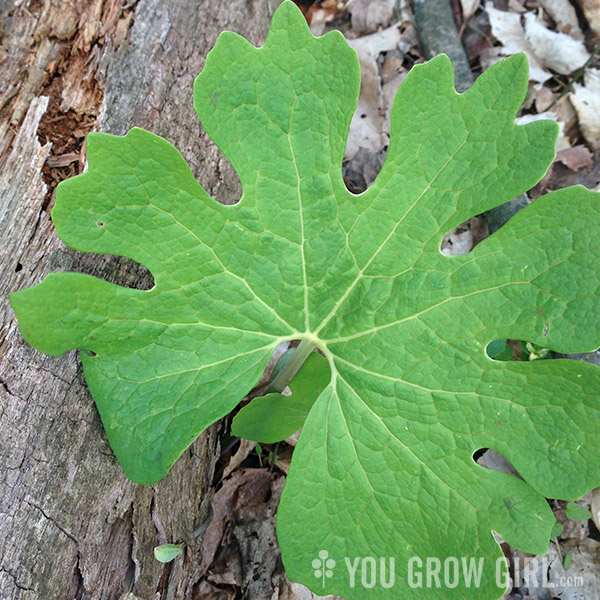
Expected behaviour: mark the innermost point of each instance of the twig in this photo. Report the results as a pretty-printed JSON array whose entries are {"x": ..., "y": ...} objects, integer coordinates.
[{"x": 438, "y": 34}]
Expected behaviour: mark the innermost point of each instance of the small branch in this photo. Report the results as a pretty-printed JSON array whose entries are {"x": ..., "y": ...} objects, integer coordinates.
[{"x": 438, "y": 35}]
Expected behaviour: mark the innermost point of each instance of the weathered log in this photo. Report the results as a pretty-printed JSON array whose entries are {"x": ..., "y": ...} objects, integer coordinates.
[
  {"x": 437, "y": 34},
  {"x": 72, "y": 526}
]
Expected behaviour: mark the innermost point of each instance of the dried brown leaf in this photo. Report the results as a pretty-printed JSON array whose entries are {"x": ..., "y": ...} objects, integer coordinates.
[
  {"x": 244, "y": 449},
  {"x": 576, "y": 158},
  {"x": 564, "y": 15},
  {"x": 554, "y": 50},
  {"x": 591, "y": 10},
  {"x": 507, "y": 29}
]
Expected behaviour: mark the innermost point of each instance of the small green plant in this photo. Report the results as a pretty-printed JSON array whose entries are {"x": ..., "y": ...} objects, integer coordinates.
[
  {"x": 503, "y": 350},
  {"x": 384, "y": 465},
  {"x": 577, "y": 512},
  {"x": 165, "y": 553}
]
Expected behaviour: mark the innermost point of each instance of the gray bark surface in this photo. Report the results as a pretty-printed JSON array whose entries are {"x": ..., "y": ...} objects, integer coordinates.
[{"x": 72, "y": 526}]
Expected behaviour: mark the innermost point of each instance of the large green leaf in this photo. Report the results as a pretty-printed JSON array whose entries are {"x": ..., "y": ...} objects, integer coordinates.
[{"x": 384, "y": 465}]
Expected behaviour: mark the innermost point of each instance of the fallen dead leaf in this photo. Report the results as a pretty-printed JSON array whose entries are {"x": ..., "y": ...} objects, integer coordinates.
[
  {"x": 246, "y": 446},
  {"x": 545, "y": 49},
  {"x": 576, "y": 158},
  {"x": 221, "y": 509},
  {"x": 557, "y": 51},
  {"x": 392, "y": 66},
  {"x": 206, "y": 590},
  {"x": 360, "y": 172},
  {"x": 319, "y": 15},
  {"x": 547, "y": 579},
  {"x": 283, "y": 464},
  {"x": 507, "y": 29},
  {"x": 565, "y": 113},
  {"x": 368, "y": 16},
  {"x": 560, "y": 176},
  {"x": 367, "y": 129},
  {"x": 516, "y": 6},
  {"x": 296, "y": 591},
  {"x": 468, "y": 8},
  {"x": 586, "y": 100},
  {"x": 591, "y": 10},
  {"x": 458, "y": 241},
  {"x": 540, "y": 95},
  {"x": 371, "y": 122},
  {"x": 239, "y": 542},
  {"x": 564, "y": 15},
  {"x": 465, "y": 237}
]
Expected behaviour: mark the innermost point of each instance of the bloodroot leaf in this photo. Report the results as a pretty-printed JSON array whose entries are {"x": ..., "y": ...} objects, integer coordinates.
[{"x": 384, "y": 465}]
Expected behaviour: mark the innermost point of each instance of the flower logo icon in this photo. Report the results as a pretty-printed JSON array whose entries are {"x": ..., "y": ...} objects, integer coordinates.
[{"x": 323, "y": 566}]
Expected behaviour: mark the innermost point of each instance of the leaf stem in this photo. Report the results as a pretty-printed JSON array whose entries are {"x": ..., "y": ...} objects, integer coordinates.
[{"x": 292, "y": 367}]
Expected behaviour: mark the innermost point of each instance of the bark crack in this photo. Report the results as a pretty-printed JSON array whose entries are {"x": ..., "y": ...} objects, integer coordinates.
[
  {"x": 78, "y": 575},
  {"x": 156, "y": 521},
  {"x": 6, "y": 388},
  {"x": 54, "y": 522},
  {"x": 16, "y": 582},
  {"x": 55, "y": 375}
]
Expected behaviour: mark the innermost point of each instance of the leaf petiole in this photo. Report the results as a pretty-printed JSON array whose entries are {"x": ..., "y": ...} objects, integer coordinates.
[{"x": 289, "y": 371}]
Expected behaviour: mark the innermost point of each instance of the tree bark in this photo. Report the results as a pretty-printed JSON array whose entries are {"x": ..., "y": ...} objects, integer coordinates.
[{"x": 72, "y": 526}]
